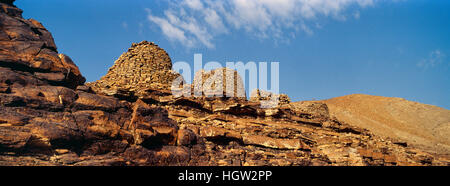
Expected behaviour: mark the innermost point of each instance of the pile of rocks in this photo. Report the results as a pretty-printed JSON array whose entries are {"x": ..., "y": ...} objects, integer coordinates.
[
  {"x": 221, "y": 82},
  {"x": 144, "y": 66},
  {"x": 272, "y": 100},
  {"x": 146, "y": 69}
]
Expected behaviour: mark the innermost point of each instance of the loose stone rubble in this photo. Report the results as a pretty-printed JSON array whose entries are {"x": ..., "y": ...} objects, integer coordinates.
[
  {"x": 129, "y": 117},
  {"x": 271, "y": 99}
]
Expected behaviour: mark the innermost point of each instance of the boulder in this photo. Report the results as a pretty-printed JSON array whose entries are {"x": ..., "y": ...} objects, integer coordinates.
[
  {"x": 151, "y": 126},
  {"x": 186, "y": 137}
]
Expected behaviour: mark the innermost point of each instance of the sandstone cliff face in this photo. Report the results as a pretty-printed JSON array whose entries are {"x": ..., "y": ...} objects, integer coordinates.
[{"x": 130, "y": 118}]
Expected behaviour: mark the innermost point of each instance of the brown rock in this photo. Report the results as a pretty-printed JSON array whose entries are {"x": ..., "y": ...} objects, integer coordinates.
[
  {"x": 151, "y": 126},
  {"x": 7, "y": 6},
  {"x": 215, "y": 132},
  {"x": 275, "y": 143},
  {"x": 25, "y": 45},
  {"x": 186, "y": 137},
  {"x": 53, "y": 94},
  {"x": 87, "y": 101},
  {"x": 50, "y": 76},
  {"x": 13, "y": 137},
  {"x": 311, "y": 110}
]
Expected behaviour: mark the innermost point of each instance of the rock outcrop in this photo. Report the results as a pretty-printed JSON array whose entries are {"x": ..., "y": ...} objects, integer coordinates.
[
  {"x": 26, "y": 46},
  {"x": 44, "y": 114},
  {"x": 129, "y": 117}
]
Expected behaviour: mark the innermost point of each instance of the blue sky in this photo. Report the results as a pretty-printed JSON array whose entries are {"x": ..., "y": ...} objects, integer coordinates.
[{"x": 326, "y": 48}]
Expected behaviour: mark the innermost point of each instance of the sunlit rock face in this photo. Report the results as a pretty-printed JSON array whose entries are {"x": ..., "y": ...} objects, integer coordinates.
[{"x": 26, "y": 45}]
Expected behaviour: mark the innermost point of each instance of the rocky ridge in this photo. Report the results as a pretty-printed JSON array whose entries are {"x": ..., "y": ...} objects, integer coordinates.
[{"x": 49, "y": 117}]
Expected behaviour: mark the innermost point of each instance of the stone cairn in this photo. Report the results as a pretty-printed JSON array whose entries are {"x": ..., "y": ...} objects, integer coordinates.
[
  {"x": 215, "y": 82},
  {"x": 144, "y": 66}
]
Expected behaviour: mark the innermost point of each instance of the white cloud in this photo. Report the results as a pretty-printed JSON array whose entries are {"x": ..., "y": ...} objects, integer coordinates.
[
  {"x": 357, "y": 15},
  {"x": 198, "y": 22},
  {"x": 435, "y": 58},
  {"x": 171, "y": 31},
  {"x": 306, "y": 29},
  {"x": 124, "y": 25},
  {"x": 194, "y": 4},
  {"x": 215, "y": 21}
]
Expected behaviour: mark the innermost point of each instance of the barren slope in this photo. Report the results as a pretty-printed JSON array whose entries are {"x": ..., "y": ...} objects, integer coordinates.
[{"x": 420, "y": 125}]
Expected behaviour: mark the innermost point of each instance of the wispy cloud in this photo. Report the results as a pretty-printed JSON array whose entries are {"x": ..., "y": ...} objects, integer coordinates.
[
  {"x": 434, "y": 59},
  {"x": 199, "y": 22},
  {"x": 356, "y": 15},
  {"x": 124, "y": 25}
]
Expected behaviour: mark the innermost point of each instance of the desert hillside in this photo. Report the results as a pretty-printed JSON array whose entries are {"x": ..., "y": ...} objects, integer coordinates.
[
  {"x": 129, "y": 117},
  {"x": 424, "y": 126}
]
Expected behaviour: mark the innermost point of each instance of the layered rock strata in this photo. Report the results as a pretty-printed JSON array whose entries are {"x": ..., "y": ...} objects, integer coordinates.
[{"x": 130, "y": 118}]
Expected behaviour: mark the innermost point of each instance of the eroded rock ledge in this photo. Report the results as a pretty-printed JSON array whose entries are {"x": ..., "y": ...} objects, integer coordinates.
[{"x": 49, "y": 117}]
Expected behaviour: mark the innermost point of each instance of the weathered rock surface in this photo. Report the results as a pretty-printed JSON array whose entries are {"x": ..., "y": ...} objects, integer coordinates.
[
  {"x": 129, "y": 118},
  {"x": 25, "y": 45}
]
